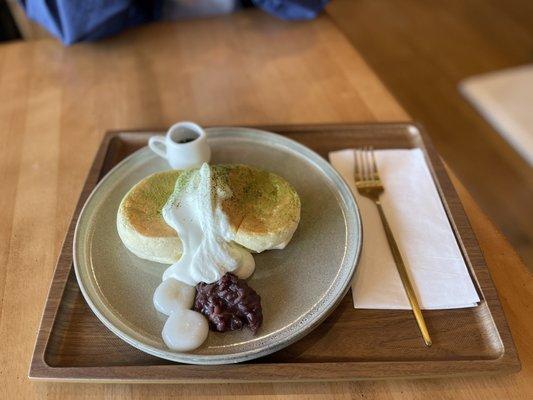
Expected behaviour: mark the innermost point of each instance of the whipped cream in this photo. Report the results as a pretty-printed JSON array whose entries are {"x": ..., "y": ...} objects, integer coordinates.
[
  {"x": 208, "y": 252},
  {"x": 195, "y": 212}
]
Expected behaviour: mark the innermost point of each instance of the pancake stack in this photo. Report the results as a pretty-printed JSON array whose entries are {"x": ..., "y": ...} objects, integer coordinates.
[{"x": 263, "y": 210}]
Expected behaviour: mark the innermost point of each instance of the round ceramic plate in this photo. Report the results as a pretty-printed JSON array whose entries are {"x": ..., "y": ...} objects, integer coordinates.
[{"x": 299, "y": 285}]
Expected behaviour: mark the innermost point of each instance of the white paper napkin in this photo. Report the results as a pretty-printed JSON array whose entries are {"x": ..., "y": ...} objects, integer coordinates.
[{"x": 421, "y": 229}]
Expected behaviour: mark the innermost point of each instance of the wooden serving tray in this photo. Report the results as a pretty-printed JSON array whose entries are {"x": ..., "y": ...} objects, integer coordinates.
[{"x": 351, "y": 344}]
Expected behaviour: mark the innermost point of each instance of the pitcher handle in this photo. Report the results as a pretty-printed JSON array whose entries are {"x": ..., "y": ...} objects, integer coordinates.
[{"x": 158, "y": 146}]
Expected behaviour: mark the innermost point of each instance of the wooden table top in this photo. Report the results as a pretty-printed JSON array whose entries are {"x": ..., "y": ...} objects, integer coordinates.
[{"x": 246, "y": 68}]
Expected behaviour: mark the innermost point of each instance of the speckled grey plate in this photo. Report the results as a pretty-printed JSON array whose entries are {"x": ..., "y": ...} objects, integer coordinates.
[{"x": 299, "y": 286}]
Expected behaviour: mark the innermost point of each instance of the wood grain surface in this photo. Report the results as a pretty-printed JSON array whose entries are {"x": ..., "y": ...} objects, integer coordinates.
[
  {"x": 422, "y": 50},
  {"x": 243, "y": 69}
]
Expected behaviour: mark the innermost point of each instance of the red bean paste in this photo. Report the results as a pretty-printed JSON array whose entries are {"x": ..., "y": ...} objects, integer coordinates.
[{"x": 229, "y": 304}]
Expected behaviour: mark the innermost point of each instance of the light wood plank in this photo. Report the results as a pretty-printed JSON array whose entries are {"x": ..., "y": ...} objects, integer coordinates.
[
  {"x": 422, "y": 50},
  {"x": 245, "y": 68}
]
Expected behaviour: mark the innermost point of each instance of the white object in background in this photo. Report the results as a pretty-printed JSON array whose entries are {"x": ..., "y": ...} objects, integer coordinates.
[
  {"x": 505, "y": 99},
  {"x": 184, "y": 146},
  {"x": 183, "y": 9},
  {"x": 421, "y": 228}
]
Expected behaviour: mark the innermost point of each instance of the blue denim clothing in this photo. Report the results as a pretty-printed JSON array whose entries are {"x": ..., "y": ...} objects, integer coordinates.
[
  {"x": 79, "y": 20},
  {"x": 292, "y": 9},
  {"x": 73, "y": 21}
]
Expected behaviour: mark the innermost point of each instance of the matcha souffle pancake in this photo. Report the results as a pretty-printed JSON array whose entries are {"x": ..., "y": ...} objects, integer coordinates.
[{"x": 263, "y": 209}]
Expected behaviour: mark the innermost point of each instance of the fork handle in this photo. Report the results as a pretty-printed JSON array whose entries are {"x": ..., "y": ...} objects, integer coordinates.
[{"x": 405, "y": 277}]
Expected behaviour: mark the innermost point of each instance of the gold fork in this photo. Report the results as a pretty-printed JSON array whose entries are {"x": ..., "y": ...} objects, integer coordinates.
[{"x": 369, "y": 185}]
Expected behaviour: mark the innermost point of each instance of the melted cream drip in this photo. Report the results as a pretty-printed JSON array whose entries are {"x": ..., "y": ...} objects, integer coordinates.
[
  {"x": 206, "y": 235},
  {"x": 208, "y": 253}
]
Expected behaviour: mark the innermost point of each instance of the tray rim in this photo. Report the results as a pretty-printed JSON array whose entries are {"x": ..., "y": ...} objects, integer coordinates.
[{"x": 507, "y": 362}]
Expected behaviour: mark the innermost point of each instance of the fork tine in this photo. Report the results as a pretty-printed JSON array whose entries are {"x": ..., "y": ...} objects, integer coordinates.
[
  {"x": 365, "y": 166},
  {"x": 362, "y": 161},
  {"x": 355, "y": 167},
  {"x": 360, "y": 165},
  {"x": 356, "y": 171},
  {"x": 368, "y": 164},
  {"x": 375, "y": 173}
]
